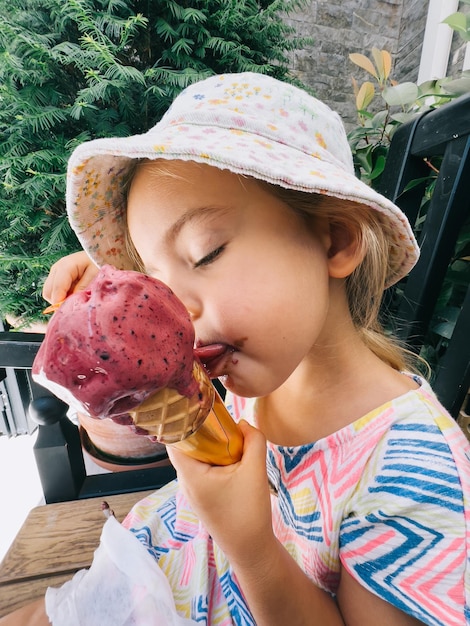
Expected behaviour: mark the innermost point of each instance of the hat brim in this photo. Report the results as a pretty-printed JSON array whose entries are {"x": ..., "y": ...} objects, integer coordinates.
[{"x": 96, "y": 190}]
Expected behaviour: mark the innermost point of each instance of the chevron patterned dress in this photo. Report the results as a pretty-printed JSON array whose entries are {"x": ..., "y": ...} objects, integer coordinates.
[{"x": 386, "y": 497}]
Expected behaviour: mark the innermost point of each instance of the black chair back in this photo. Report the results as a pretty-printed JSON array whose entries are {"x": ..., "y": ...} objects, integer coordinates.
[{"x": 437, "y": 142}]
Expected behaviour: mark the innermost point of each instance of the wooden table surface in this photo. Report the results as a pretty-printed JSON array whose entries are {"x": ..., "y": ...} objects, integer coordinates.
[{"x": 55, "y": 541}]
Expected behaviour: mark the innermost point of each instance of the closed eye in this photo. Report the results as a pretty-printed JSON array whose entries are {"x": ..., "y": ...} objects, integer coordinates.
[{"x": 209, "y": 258}]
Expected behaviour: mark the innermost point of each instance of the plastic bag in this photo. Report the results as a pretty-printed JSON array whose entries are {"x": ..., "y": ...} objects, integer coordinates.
[{"x": 123, "y": 587}]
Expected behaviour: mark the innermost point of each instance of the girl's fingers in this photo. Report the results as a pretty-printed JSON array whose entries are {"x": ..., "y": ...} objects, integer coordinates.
[
  {"x": 88, "y": 275},
  {"x": 183, "y": 463},
  {"x": 71, "y": 273}
]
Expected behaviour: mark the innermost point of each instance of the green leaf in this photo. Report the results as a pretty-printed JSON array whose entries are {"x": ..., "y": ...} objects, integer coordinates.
[
  {"x": 402, "y": 94},
  {"x": 402, "y": 118},
  {"x": 460, "y": 23},
  {"x": 415, "y": 183},
  {"x": 182, "y": 45},
  {"x": 458, "y": 86},
  {"x": 379, "y": 119},
  {"x": 378, "y": 167},
  {"x": 457, "y": 21},
  {"x": 429, "y": 88},
  {"x": 165, "y": 30},
  {"x": 193, "y": 15},
  {"x": 364, "y": 159}
]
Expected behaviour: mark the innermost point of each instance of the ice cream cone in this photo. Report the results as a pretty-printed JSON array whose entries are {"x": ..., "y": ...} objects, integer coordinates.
[
  {"x": 127, "y": 336},
  {"x": 200, "y": 426}
]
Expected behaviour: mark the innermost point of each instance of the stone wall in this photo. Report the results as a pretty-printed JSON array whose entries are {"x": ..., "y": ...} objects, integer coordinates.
[
  {"x": 458, "y": 47},
  {"x": 340, "y": 27},
  {"x": 410, "y": 40}
]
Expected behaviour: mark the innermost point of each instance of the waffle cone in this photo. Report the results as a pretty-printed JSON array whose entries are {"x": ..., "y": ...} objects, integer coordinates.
[
  {"x": 171, "y": 417},
  {"x": 200, "y": 425}
]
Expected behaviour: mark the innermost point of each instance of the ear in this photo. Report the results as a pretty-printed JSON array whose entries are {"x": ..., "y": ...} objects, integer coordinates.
[{"x": 345, "y": 252}]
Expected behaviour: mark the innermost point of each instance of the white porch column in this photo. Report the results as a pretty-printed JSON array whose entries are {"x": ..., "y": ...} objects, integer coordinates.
[{"x": 437, "y": 41}]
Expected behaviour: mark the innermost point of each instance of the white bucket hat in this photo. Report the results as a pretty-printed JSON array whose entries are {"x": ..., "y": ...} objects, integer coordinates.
[{"x": 247, "y": 123}]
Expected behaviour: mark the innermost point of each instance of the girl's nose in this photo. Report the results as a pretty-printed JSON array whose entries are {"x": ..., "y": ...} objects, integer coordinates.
[
  {"x": 184, "y": 292},
  {"x": 191, "y": 302},
  {"x": 192, "y": 314}
]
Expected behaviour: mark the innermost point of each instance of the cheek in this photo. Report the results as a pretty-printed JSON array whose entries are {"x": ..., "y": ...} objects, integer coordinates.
[
  {"x": 253, "y": 314},
  {"x": 280, "y": 294},
  {"x": 235, "y": 311}
]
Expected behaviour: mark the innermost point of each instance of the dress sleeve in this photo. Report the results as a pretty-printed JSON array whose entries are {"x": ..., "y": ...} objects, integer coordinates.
[{"x": 405, "y": 536}]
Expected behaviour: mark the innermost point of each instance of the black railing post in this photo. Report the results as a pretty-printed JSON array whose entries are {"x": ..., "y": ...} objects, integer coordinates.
[{"x": 57, "y": 450}]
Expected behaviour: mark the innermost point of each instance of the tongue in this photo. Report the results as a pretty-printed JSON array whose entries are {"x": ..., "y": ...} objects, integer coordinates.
[{"x": 209, "y": 352}]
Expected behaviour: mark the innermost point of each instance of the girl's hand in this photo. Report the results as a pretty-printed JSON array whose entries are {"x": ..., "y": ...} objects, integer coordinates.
[
  {"x": 71, "y": 273},
  {"x": 233, "y": 502},
  {"x": 234, "y": 505}
]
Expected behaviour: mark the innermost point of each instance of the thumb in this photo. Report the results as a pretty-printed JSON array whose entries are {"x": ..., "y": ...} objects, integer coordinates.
[{"x": 254, "y": 442}]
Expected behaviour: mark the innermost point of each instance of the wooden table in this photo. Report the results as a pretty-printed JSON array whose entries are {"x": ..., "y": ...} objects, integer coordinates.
[{"x": 55, "y": 541}]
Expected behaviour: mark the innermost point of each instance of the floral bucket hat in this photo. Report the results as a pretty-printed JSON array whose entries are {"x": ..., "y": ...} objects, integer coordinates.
[{"x": 247, "y": 123}]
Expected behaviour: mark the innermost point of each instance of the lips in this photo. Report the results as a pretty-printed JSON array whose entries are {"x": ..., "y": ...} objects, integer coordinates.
[{"x": 214, "y": 357}]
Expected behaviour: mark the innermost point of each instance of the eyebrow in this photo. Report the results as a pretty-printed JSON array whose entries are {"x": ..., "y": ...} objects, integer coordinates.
[{"x": 193, "y": 215}]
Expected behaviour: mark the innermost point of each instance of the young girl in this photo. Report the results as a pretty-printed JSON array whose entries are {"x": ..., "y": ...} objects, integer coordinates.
[{"x": 351, "y": 502}]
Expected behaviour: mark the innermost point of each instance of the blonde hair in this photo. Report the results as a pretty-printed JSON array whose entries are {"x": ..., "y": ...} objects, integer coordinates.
[{"x": 366, "y": 285}]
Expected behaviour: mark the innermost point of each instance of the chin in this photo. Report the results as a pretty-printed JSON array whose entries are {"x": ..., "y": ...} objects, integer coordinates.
[{"x": 242, "y": 388}]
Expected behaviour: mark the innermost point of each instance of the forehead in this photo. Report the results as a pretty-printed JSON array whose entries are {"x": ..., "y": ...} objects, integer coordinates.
[
  {"x": 161, "y": 174},
  {"x": 165, "y": 195},
  {"x": 168, "y": 189}
]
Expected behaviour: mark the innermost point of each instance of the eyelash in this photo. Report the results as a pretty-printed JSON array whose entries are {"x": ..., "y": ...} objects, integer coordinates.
[{"x": 209, "y": 258}]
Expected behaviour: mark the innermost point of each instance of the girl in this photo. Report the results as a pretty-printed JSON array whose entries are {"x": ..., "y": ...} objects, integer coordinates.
[{"x": 351, "y": 502}]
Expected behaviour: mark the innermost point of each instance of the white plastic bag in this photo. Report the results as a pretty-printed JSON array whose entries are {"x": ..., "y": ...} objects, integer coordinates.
[{"x": 123, "y": 587}]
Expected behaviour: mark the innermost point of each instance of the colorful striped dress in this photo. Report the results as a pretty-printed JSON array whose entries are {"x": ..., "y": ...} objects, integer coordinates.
[{"x": 387, "y": 498}]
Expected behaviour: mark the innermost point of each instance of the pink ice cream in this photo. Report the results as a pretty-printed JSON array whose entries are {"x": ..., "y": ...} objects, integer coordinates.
[{"x": 110, "y": 347}]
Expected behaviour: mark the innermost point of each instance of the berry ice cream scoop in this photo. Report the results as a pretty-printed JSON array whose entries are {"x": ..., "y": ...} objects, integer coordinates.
[{"x": 123, "y": 348}]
